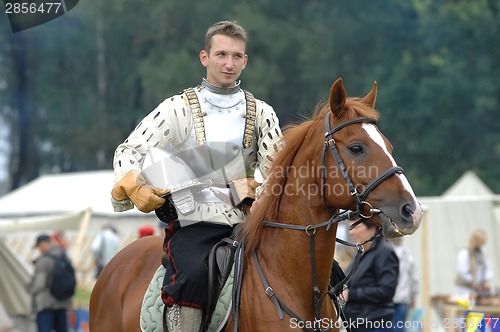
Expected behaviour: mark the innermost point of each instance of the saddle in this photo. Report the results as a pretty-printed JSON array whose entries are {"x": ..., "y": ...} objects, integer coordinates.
[
  {"x": 220, "y": 262},
  {"x": 216, "y": 313}
]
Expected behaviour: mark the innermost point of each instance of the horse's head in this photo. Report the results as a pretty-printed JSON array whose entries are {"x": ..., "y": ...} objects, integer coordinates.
[{"x": 372, "y": 183}]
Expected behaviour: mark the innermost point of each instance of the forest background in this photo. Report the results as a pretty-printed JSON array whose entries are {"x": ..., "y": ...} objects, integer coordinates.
[{"x": 72, "y": 89}]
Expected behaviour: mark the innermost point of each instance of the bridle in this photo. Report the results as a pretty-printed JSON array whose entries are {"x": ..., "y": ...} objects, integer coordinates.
[
  {"x": 360, "y": 197},
  {"x": 310, "y": 230}
]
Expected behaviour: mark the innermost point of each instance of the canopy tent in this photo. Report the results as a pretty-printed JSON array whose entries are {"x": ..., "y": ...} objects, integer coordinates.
[
  {"x": 68, "y": 220},
  {"x": 77, "y": 204},
  {"x": 469, "y": 184},
  {"x": 14, "y": 274},
  {"x": 67, "y": 192},
  {"x": 6, "y": 324},
  {"x": 448, "y": 222}
]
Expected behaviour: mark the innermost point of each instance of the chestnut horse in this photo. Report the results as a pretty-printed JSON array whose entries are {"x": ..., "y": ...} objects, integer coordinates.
[{"x": 320, "y": 177}]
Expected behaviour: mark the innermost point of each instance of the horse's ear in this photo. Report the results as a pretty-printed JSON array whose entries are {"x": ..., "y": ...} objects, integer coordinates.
[
  {"x": 371, "y": 97},
  {"x": 337, "y": 98}
]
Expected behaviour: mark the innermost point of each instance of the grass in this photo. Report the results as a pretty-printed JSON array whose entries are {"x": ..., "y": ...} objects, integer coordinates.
[{"x": 81, "y": 298}]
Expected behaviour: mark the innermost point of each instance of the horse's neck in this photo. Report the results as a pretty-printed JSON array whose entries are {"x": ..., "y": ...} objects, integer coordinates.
[{"x": 286, "y": 254}]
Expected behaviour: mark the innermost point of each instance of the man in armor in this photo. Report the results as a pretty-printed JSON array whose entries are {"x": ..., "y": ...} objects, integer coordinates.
[{"x": 223, "y": 135}]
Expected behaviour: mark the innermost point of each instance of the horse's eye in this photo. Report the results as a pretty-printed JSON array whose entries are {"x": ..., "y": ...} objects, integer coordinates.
[{"x": 356, "y": 149}]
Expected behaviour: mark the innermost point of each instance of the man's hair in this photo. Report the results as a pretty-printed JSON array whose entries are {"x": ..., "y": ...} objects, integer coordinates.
[{"x": 226, "y": 28}]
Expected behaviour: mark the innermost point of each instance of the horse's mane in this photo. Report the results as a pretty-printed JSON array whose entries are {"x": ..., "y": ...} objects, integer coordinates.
[{"x": 293, "y": 137}]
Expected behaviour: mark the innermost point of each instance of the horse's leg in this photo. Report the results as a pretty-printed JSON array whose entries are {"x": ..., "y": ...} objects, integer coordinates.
[{"x": 117, "y": 296}]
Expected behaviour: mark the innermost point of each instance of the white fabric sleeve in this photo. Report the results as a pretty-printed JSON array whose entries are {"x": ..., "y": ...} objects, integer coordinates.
[{"x": 462, "y": 266}]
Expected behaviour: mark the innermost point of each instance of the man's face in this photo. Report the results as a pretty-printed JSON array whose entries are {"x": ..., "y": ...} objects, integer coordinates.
[
  {"x": 226, "y": 60},
  {"x": 360, "y": 233},
  {"x": 43, "y": 246}
]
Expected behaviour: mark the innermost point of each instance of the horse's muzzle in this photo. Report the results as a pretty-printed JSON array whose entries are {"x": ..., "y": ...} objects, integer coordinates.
[{"x": 405, "y": 221}]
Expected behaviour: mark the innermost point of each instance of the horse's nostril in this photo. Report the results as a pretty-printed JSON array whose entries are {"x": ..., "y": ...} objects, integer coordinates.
[{"x": 406, "y": 211}]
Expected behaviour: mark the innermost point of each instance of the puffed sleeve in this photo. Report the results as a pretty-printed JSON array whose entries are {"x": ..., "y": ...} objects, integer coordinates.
[
  {"x": 165, "y": 125},
  {"x": 268, "y": 136}
]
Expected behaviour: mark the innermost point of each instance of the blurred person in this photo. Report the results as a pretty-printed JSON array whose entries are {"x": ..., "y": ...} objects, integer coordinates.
[
  {"x": 59, "y": 238},
  {"x": 473, "y": 268},
  {"x": 407, "y": 289},
  {"x": 219, "y": 119},
  {"x": 370, "y": 290},
  {"x": 51, "y": 313},
  {"x": 104, "y": 247}
]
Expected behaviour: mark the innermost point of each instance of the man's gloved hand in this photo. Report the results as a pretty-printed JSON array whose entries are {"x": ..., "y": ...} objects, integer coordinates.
[
  {"x": 133, "y": 186},
  {"x": 243, "y": 192}
]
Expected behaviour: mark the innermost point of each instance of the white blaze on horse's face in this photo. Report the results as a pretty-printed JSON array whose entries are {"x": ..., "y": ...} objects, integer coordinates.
[
  {"x": 375, "y": 135},
  {"x": 417, "y": 212}
]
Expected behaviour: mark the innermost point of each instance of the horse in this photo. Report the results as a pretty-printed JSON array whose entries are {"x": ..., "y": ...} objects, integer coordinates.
[{"x": 320, "y": 177}]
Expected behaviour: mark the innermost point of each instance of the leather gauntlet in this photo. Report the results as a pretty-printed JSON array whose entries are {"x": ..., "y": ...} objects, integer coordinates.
[
  {"x": 243, "y": 192},
  {"x": 133, "y": 186}
]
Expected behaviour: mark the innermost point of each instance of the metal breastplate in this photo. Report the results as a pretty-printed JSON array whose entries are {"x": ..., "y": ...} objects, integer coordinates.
[{"x": 222, "y": 126}]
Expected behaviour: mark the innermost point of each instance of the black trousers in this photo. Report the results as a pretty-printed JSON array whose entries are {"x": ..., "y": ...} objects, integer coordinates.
[{"x": 187, "y": 250}]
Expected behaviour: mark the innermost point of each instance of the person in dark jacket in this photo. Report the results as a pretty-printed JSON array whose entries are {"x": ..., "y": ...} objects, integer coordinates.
[
  {"x": 370, "y": 290},
  {"x": 51, "y": 313}
]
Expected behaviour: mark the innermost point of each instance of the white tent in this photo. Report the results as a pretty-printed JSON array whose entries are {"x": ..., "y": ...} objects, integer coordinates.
[
  {"x": 14, "y": 274},
  {"x": 67, "y": 192},
  {"x": 449, "y": 220},
  {"x": 77, "y": 204}
]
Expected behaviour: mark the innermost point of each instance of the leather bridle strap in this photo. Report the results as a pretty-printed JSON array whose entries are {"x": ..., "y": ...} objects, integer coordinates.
[
  {"x": 280, "y": 306},
  {"x": 360, "y": 197},
  {"x": 237, "y": 282},
  {"x": 381, "y": 178},
  {"x": 328, "y": 223},
  {"x": 330, "y": 143}
]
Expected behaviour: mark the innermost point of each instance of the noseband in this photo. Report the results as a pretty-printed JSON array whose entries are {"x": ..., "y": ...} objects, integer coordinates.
[{"x": 310, "y": 230}]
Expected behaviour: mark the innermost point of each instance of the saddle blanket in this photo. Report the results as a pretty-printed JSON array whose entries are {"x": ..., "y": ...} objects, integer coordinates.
[{"x": 151, "y": 319}]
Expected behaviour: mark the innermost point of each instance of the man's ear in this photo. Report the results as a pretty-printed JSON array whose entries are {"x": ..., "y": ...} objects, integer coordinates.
[
  {"x": 245, "y": 61},
  {"x": 204, "y": 58}
]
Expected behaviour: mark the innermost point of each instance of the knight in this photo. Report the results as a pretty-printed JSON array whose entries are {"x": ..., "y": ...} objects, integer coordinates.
[{"x": 192, "y": 160}]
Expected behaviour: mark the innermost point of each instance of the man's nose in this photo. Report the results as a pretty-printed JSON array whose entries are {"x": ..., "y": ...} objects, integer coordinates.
[{"x": 230, "y": 63}]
